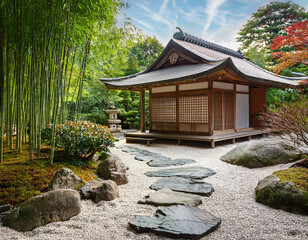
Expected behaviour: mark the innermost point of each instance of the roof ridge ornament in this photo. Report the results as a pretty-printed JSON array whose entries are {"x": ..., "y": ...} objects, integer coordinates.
[{"x": 203, "y": 43}]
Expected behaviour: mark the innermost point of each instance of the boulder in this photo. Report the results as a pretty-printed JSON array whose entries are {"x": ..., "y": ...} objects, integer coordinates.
[
  {"x": 186, "y": 185},
  {"x": 53, "y": 206},
  {"x": 185, "y": 172},
  {"x": 283, "y": 195},
  {"x": 99, "y": 190},
  {"x": 65, "y": 179},
  {"x": 301, "y": 163},
  {"x": 119, "y": 178},
  {"x": 107, "y": 166},
  {"x": 167, "y": 197},
  {"x": 177, "y": 222},
  {"x": 265, "y": 152}
]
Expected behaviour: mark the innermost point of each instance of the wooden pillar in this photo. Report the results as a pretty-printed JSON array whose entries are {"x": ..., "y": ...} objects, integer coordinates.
[{"x": 142, "y": 110}]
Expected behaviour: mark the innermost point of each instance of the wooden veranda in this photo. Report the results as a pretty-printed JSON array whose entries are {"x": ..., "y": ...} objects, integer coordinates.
[{"x": 232, "y": 136}]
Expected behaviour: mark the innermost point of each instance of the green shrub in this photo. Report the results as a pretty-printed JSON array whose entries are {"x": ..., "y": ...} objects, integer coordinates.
[{"x": 80, "y": 139}]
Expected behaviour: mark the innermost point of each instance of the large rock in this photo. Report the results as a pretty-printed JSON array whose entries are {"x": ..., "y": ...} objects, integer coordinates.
[
  {"x": 283, "y": 195},
  {"x": 167, "y": 197},
  {"x": 259, "y": 153},
  {"x": 106, "y": 167},
  {"x": 186, "y": 172},
  {"x": 53, "y": 206},
  {"x": 177, "y": 222},
  {"x": 119, "y": 178},
  {"x": 99, "y": 190},
  {"x": 65, "y": 178},
  {"x": 111, "y": 169},
  {"x": 184, "y": 185}
]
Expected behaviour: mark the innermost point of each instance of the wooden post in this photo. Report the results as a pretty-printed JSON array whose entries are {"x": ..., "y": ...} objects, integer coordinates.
[{"x": 142, "y": 110}]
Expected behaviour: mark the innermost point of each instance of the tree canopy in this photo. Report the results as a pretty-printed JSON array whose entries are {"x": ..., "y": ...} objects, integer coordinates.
[
  {"x": 291, "y": 48},
  {"x": 269, "y": 21}
]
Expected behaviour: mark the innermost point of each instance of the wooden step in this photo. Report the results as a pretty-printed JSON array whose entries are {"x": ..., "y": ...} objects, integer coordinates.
[{"x": 147, "y": 140}]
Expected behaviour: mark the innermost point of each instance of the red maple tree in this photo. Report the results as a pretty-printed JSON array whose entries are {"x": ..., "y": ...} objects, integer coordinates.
[{"x": 296, "y": 40}]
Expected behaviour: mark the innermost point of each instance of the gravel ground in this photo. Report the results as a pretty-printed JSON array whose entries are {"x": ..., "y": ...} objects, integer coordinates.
[{"x": 233, "y": 201}]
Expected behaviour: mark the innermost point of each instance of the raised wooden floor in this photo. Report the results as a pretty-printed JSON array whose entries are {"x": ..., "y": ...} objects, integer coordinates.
[{"x": 212, "y": 139}]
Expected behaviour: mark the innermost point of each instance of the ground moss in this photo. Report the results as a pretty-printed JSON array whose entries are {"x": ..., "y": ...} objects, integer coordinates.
[
  {"x": 297, "y": 175},
  {"x": 21, "y": 179}
]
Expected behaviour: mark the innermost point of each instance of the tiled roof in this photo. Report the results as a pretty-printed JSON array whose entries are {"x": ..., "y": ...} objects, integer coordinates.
[{"x": 214, "y": 56}]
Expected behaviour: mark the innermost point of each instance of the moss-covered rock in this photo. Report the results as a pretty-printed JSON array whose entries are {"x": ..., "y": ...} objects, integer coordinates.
[
  {"x": 53, "y": 206},
  {"x": 285, "y": 189},
  {"x": 260, "y": 153},
  {"x": 65, "y": 178}
]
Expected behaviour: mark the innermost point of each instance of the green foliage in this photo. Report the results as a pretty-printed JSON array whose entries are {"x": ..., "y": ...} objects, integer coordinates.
[
  {"x": 269, "y": 22},
  {"x": 135, "y": 54},
  {"x": 143, "y": 54},
  {"x": 80, "y": 140},
  {"x": 277, "y": 96},
  {"x": 257, "y": 57}
]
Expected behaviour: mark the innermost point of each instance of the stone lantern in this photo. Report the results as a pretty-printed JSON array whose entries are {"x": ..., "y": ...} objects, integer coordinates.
[{"x": 113, "y": 121}]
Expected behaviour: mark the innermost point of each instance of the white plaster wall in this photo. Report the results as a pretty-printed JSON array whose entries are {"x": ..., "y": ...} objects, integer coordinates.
[{"x": 242, "y": 111}]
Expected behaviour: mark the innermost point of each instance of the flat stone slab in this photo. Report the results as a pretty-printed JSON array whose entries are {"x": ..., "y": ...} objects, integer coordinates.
[
  {"x": 171, "y": 162},
  {"x": 186, "y": 185},
  {"x": 186, "y": 172},
  {"x": 177, "y": 222},
  {"x": 167, "y": 197},
  {"x": 155, "y": 159}
]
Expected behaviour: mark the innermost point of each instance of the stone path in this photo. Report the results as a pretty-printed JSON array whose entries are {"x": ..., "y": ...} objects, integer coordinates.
[
  {"x": 176, "y": 188},
  {"x": 186, "y": 185},
  {"x": 155, "y": 159},
  {"x": 185, "y": 172},
  {"x": 167, "y": 197},
  {"x": 177, "y": 222}
]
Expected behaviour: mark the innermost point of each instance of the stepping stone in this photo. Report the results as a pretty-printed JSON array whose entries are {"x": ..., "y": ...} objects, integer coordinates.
[
  {"x": 155, "y": 159},
  {"x": 177, "y": 222},
  {"x": 186, "y": 172},
  {"x": 151, "y": 158},
  {"x": 184, "y": 185},
  {"x": 160, "y": 162},
  {"x": 167, "y": 197}
]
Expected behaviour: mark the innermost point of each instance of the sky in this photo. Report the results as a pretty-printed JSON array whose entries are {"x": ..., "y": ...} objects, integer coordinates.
[{"x": 217, "y": 21}]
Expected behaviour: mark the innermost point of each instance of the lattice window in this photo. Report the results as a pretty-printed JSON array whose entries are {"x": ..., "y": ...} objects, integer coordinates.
[
  {"x": 228, "y": 110},
  {"x": 163, "y": 109},
  {"x": 217, "y": 99},
  {"x": 193, "y": 109}
]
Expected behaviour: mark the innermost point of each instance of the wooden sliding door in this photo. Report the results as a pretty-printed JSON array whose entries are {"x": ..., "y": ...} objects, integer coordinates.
[{"x": 223, "y": 110}]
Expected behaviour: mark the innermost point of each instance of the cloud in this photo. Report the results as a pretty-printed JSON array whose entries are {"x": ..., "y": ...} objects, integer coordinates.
[
  {"x": 144, "y": 24},
  {"x": 163, "y": 7},
  {"x": 154, "y": 15},
  {"x": 211, "y": 11}
]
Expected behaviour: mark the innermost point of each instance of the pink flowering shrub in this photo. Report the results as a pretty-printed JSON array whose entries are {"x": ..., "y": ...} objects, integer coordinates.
[{"x": 81, "y": 139}]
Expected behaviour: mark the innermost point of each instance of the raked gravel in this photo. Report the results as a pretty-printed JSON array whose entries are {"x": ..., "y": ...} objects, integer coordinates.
[{"x": 233, "y": 201}]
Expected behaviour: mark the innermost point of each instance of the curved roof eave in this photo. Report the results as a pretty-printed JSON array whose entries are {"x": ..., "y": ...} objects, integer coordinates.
[{"x": 224, "y": 63}]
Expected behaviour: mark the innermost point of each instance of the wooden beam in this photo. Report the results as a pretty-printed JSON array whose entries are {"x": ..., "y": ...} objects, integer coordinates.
[
  {"x": 142, "y": 110},
  {"x": 150, "y": 109}
]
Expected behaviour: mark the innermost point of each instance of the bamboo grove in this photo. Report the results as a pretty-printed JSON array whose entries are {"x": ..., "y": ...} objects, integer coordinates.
[{"x": 44, "y": 50}]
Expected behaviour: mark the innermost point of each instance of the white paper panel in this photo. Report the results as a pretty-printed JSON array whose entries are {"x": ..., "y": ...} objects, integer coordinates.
[
  {"x": 193, "y": 86},
  {"x": 164, "y": 89},
  {"x": 242, "y": 111},
  {"x": 222, "y": 85},
  {"x": 242, "y": 88}
]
